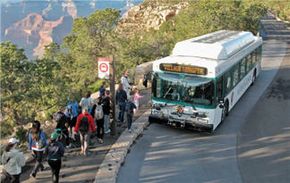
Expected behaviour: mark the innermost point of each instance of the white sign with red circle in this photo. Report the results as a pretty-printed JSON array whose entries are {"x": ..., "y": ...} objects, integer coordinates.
[{"x": 104, "y": 68}]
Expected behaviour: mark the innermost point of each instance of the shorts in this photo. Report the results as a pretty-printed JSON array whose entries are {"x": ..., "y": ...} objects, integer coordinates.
[{"x": 72, "y": 122}]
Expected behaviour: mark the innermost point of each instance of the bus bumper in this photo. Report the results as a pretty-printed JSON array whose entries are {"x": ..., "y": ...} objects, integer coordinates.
[{"x": 181, "y": 123}]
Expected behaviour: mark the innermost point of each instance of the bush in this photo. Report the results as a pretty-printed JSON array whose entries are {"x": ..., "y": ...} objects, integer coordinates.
[
  {"x": 6, "y": 129},
  {"x": 21, "y": 134}
]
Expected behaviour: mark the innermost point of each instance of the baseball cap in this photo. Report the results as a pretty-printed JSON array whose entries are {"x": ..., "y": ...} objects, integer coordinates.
[
  {"x": 13, "y": 141},
  {"x": 54, "y": 136}
]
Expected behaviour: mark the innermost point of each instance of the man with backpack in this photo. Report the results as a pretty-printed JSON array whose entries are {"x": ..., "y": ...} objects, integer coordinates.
[
  {"x": 62, "y": 125},
  {"x": 85, "y": 126},
  {"x": 54, "y": 151}
]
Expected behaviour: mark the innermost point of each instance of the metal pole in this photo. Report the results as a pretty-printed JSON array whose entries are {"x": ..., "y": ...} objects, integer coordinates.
[{"x": 112, "y": 88}]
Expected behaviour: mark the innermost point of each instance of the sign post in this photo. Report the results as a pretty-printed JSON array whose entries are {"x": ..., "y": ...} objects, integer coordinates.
[{"x": 106, "y": 70}]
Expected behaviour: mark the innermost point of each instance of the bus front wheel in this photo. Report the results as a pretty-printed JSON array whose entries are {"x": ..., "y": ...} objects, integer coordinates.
[
  {"x": 225, "y": 110},
  {"x": 151, "y": 119}
]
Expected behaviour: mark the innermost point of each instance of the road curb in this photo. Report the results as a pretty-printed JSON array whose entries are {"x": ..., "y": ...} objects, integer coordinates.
[{"x": 109, "y": 169}]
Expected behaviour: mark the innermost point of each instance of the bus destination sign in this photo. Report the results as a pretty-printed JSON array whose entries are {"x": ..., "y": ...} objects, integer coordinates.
[{"x": 183, "y": 69}]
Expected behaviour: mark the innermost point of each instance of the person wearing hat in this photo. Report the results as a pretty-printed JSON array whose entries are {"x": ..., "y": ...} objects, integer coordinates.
[
  {"x": 54, "y": 151},
  {"x": 13, "y": 161}
]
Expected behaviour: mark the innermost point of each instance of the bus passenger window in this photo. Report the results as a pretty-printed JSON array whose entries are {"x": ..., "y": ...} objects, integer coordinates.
[
  {"x": 220, "y": 88},
  {"x": 236, "y": 75},
  {"x": 249, "y": 64},
  {"x": 243, "y": 68},
  {"x": 228, "y": 83}
]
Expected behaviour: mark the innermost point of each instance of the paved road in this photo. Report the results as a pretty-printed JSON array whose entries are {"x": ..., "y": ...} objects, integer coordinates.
[{"x": 252, "y": 144}]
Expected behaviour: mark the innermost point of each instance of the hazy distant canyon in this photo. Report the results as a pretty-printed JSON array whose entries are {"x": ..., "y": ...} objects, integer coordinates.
[{"x": 33, "y": 24}]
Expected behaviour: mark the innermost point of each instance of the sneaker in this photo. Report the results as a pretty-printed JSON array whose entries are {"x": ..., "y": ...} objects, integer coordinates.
[
  {"x": 33, "y": 175},
  {"x": 108, "y": 131},
  {"x": 69, "y": 146},
  {"x": 42, "y": 169},
  {"x": 100, "y": 141},
  {"x": 130, "y": 130}
]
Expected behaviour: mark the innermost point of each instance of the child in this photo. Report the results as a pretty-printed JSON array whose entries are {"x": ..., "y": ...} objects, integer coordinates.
[
  {"x": 136, "y": 98},
  {"x": 54, "y": 151},
  {"x": 130, "y": 106}
]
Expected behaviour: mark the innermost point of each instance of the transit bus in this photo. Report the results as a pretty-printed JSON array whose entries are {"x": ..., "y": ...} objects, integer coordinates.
[{"x": 204, "y": 78}]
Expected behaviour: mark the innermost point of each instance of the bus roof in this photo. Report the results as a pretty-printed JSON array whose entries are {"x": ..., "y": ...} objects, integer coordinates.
[{"x": 218, "y": 45}]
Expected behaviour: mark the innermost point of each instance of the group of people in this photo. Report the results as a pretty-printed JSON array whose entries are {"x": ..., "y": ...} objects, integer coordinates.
[
  {"x": 13, "y": 159},
  {"x": 87, "y": 118}
]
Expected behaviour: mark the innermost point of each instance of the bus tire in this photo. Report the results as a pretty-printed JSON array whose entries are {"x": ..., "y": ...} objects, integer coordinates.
[
  {"x": 254, "y": 77},
  {"x": 226, "y": 109},
  {"x": 150, "y": 119}
]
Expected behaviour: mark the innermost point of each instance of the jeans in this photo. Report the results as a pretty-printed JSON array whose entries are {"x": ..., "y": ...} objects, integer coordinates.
[
  {"x": 129, "y": 120},
  {"x": 106, "y": 122},
  {"x": 15, "y": 178},
  {"x": 55, "y": 166},
  {"x": 38, "y": 165},
  {"x": 100, "y": 128},
  {"x": 122, "y": 107}
]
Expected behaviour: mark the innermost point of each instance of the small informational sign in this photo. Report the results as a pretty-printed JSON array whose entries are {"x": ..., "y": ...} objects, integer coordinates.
[{"x": 104, "y": 67}]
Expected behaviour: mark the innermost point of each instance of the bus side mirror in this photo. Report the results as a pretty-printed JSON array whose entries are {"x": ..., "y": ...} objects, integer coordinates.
[
  {"x": 145, "y": 82},
  {"x": 221, "y": 104}
]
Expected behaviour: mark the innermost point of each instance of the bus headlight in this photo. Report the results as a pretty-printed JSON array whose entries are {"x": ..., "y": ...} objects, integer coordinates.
[
  {"x": 202, "y": 114},
  {"x": 202, "y": 120}
]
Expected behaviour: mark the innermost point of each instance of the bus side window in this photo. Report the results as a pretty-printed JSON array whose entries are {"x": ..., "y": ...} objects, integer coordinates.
[
  {"x": 228, "y": 82},
  {"x": 249, "y": 64},
  {"x": 220, "y": 88},
  {"x": 243, "y": 67},
  {"x": 235, "y": 75}
]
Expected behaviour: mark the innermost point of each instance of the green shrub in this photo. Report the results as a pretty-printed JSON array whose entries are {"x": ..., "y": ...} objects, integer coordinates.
[
  {"x": 6, "y": 129},
  {"x": 21, "y": 134}
]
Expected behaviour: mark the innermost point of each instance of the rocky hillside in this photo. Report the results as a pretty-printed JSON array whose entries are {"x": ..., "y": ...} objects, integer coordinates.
[
  {"x": 148, "y": 16},
  {"x": 33, "y": 32}
]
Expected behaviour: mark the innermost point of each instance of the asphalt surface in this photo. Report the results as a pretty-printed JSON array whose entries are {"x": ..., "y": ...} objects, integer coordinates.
[{"x": 251, "y": 145}]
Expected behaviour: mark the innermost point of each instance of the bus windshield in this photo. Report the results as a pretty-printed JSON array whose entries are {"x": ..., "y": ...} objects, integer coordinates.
[{"x": 189, "y": 89}]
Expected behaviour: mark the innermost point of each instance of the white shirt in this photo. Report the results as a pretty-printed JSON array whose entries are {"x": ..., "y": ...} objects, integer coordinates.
[
  {"x": 125, "y": 83},
  {"x": 86, "y": 102},
  {"x": 15, "y": 163}
]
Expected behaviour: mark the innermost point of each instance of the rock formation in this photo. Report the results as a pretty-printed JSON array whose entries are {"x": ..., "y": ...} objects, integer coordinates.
[
  {"x": 32, "y": 33},
  {"x": 148, "y": 16}
]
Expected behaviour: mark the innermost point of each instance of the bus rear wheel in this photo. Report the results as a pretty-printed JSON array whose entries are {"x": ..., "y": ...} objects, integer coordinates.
[{"x": 254, "y": 77}]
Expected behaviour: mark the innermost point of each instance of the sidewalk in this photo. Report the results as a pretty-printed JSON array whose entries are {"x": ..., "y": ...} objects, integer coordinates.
[{"x": 79, "y": 168}]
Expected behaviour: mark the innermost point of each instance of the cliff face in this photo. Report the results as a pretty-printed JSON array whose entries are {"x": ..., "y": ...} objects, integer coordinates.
[
  {"x": 148, "y": 16},
  {"x": 33, "y": 32}
]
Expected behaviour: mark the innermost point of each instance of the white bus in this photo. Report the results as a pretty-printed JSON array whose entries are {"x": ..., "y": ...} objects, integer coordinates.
[{"x": 204, "y": 78}]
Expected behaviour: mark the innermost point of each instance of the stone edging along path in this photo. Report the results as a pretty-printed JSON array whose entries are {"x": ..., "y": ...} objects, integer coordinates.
[{"x": 108, "y": 171}]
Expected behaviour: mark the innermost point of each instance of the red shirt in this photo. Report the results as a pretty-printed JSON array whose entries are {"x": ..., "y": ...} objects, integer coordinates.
[{"x": 92, "y": 126}]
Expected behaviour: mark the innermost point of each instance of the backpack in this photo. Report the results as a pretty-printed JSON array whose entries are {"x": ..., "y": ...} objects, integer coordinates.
[
  {"x": 84, "y": 126},
  {"x": 99, "y": 113},
  {"x": 58, "y": 116}
]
